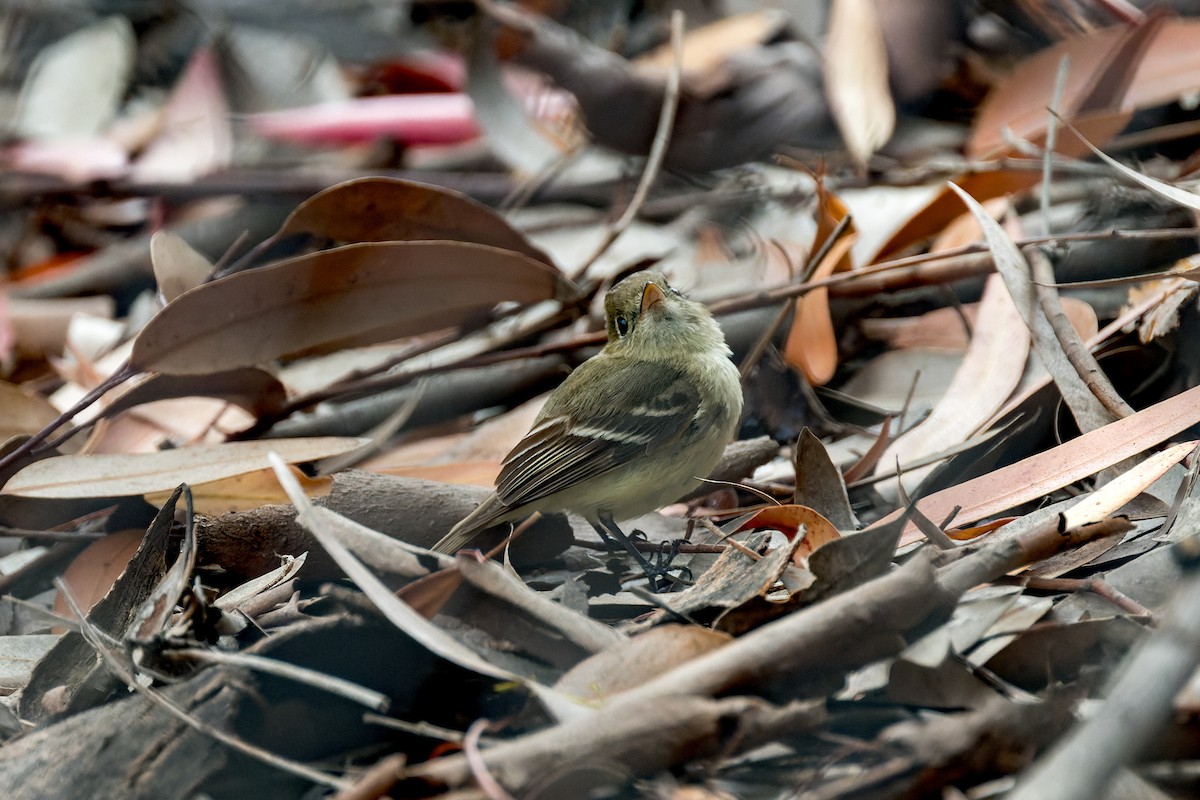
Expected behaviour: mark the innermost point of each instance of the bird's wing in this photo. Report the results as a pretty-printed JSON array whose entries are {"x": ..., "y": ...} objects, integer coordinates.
[{"x": 567, "y": 447}]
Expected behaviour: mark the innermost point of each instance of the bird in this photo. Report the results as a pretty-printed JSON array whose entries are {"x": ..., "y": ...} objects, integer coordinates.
[{"x": 633, "y": 428}]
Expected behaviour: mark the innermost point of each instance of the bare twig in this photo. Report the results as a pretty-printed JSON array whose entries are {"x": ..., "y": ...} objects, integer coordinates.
[
  {"x": 370, "y": 698},
  {"x": 1094, "y": 584},
  {"x": 1042, "y": 274},
  {"x": 1060, "y": 84},
  {"x": 425, "y": 729},
  {"x": 658, "y": 149},
  {"x": 1078, "y": 354},
  {"x": 122, "y": 374}
]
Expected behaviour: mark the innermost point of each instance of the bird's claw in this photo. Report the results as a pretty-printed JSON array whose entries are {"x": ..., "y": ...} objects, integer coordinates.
[{"x": 659, "y": 572}]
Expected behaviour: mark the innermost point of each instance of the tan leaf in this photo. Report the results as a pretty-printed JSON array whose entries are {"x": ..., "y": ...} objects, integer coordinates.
[
  {"x": 708, "y": 47},
  {"x": 177, "y": 266},
  {"x": 93, "y": 572},
  {"x": 390, "y": 209},
  {"x": 144, "y": 473},
  {"x": 22, "y": 411},
  {"x": 352, "y": 295},
  {"x": 196, "y": 138},
  {"x": 856, "y": 78},
  {"x": 244, "y": 492},
  {"x": 40, "y": 325},
  {"x": 989, "y": 372}
]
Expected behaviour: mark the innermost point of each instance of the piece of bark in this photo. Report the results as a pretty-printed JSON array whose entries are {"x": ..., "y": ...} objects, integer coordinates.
[
  {"x": 70, "y": 677},
  {"x": 97, "y": 753}
]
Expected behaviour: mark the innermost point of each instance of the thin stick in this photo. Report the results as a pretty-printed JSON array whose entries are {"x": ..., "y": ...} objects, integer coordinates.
[
  {"x": 123, "y": 373},
  {"x": 1078, "y": 354},
  {"x": 52, "y": 536},
  {"x": 1042, "y": 273},
  {"x": 1060, "y": 84},
  {"x": 377, "y": 701},
  {"x": 658, "y": 150},
  {"x": 1095, "y": 584}
]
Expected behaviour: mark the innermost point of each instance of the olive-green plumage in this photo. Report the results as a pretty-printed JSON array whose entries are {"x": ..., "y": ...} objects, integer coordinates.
[{"x": 633, "y": 428}]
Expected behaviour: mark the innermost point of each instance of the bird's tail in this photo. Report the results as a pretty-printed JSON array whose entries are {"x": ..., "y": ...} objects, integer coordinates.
[{"x": 485, "y": 515}]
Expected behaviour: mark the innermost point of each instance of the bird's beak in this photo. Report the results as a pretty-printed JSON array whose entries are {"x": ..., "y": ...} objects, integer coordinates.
[{"x": 652, "y": 296}]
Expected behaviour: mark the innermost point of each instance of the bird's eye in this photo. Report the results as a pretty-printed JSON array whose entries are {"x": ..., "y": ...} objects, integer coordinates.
[
  {"x": 622, "y": 326},
  {"x": 676, "y": 292}
]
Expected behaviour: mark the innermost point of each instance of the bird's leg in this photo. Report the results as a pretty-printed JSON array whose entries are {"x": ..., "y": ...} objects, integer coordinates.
[
  {"x": 611, "y": 534},
  {"x": 608, "y": 530}
]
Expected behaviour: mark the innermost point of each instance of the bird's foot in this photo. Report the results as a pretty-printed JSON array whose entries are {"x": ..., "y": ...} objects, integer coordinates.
[
  {"x": 659, "y": 571},
  {"x": 663, "y": 577},
  {"x": 663, "y": 560}
]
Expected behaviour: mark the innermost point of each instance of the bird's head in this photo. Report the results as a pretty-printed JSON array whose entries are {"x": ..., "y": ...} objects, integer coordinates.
[{"x": 649, "y": 319}]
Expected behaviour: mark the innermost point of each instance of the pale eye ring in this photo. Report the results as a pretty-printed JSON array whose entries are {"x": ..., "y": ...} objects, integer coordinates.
[{"x": 622, "y": 326}]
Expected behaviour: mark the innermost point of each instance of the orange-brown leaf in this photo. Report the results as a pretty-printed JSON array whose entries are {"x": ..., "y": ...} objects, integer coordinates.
[{"x": 787, "y": 519}]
